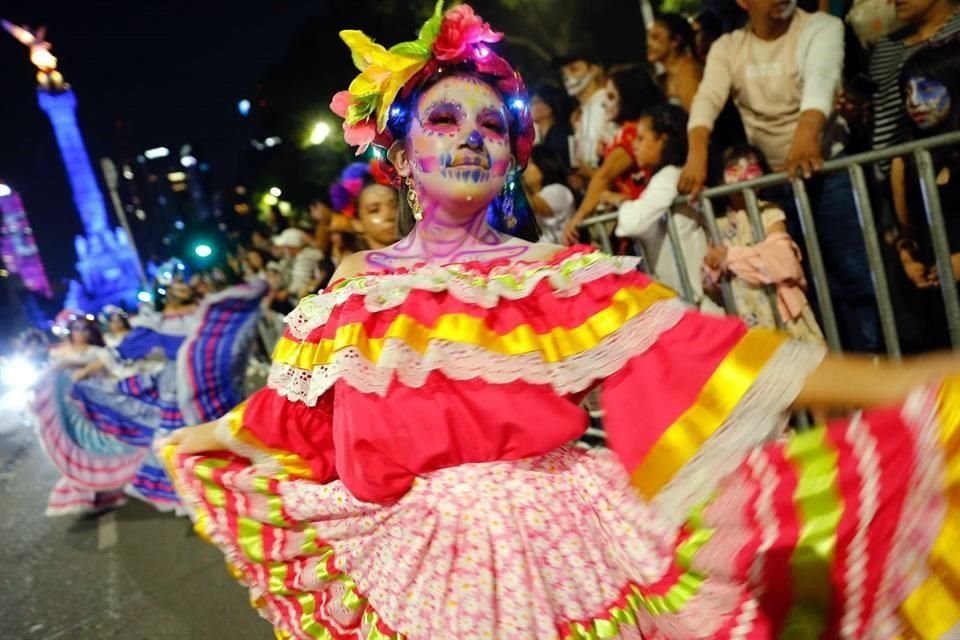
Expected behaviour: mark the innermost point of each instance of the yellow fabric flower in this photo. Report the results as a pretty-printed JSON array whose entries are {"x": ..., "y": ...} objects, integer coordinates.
[{"x": 382, "y": 72}]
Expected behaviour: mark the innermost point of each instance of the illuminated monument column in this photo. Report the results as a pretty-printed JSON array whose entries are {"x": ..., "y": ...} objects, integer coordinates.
[{"x": 107, "y": 264}]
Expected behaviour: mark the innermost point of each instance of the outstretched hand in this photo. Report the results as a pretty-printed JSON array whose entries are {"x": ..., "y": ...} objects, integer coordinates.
[{"x": 196, "y": 439}]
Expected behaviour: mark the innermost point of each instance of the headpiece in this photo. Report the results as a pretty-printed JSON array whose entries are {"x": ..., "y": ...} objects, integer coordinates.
[
  {"x": 66, "y": 317},
  {"x": 376, "y": 106},
  {"x": 345, "y": 192},
  {"x": 108, "y": 312},
  {"x": 170, "y": 270}
]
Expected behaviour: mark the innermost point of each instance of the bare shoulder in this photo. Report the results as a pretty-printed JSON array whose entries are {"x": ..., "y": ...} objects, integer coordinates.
[{"x": 352, "y": 265}]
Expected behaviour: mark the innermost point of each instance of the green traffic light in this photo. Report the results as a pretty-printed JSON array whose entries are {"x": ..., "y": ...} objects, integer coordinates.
[{"x": 203, "y": 250}]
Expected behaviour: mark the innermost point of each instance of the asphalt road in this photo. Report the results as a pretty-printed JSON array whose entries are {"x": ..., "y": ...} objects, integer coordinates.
[{"x": 133, "y": 574}]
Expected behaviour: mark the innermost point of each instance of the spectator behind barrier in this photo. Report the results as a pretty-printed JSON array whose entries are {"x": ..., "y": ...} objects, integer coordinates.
[
  {"x": 784, "y": 71},
  {"x": 670, "y": 43},
  {"x": 660, "y": 147},
  {"x": 707, "y": 28},
  {"x": 584, "y": 80},
  {"x": 630, "y": 91},
  {"x": 750, "y": 265},
  {"x": 930, "y": 89},
  {"x": 924, "y": 21},
  {"x": 551, "y": 120},
  {"x": 545, "y": 183}
]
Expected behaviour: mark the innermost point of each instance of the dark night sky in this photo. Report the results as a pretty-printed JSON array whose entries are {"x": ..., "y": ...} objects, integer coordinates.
[{"x": 169, "y": 72}]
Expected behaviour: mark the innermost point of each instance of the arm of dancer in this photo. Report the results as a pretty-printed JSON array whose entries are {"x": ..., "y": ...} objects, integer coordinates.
[
  {"x": 860, "y": 381},
  {"x": 269, "y": 425}
]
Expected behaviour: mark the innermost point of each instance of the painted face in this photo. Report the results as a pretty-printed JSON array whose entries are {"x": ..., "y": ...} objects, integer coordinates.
[
  {"x": 377, "y": 207},
  {"x": 658, "y": 42},
  {"x": 577, "y": 75},
  {"x": 611, "y": 101},
  {"x": 742, "y": 169},
  {"x": 459, "y": 145},
  {"x": 648, "y": 146},
  {"x": 928, "y": 102}
]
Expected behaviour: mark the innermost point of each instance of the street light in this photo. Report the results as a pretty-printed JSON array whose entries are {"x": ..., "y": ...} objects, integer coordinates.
[
  {"x": 275, "y": 192},
  {"x": 319, "y": 133},
  {"x": 4, "y": 191}
]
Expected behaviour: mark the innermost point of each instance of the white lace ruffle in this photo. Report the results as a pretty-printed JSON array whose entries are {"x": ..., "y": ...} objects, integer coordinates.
[
  {"x": 760, "y": 416},
  {"x": 513, "y": 282},
  {"x": 460, "y": 361}
]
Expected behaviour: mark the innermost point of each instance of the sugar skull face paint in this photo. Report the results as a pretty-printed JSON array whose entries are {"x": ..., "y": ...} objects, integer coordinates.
[
  {"x": 741, "y": 170},
  {"x": 928, "y": 102},
  {"x": 459, "y": 143}
]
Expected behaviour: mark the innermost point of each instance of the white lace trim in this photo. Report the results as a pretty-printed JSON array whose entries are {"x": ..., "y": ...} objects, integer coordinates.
[
  {"x": 759, "y": 416},
  {"x": 512, "y": 282},
  {"x": 460, "y": 361}
]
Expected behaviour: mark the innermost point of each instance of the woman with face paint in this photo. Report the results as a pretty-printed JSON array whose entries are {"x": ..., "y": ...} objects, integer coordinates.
[
  {"x": 407, "y": 472},
  {"x": 930, "y": 86}
]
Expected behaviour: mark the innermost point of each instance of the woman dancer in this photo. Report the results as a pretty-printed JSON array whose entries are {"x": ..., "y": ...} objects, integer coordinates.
[
  {"x": 406, "y": 474},
  {"x": 177, "y": 367}
]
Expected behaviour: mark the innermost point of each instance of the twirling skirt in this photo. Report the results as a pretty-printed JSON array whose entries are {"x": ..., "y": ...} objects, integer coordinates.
[{"x": 847, "y": 531}]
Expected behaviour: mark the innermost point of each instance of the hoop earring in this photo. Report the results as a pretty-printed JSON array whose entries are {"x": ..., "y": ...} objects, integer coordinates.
[{"x": 413, "y": 200}]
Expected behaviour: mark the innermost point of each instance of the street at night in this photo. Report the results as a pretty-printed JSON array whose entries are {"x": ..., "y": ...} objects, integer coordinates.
[
  {"x": 132, "y": 574},
  {"x": 480, "y": 320}
]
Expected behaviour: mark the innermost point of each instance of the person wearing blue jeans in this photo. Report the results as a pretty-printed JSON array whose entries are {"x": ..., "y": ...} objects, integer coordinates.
[{"x": 845, "y": 259}]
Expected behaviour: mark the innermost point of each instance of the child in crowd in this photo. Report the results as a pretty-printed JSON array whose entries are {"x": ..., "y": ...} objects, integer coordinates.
[
  {"x": 930, "y": 89},
  {"x": 661, "y": 147},
  {"x": 752, "y": 265}
]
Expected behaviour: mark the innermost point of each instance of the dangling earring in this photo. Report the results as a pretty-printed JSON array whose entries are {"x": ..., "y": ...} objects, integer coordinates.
[
  {"x": 413, "y": 200},
  {"x": 506, "y": 198}
]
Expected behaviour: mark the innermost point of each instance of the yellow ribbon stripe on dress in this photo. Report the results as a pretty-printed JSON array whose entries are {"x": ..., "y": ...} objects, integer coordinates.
[
  {"x": 718, "y": 398},
  {"x": 933, "y": 608},
  {"x": 555, "y": 345},
  {"x": 819, "y": 506}
]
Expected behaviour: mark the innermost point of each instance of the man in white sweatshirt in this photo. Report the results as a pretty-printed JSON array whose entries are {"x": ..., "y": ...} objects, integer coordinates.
[{"x": 783, "y": 71}]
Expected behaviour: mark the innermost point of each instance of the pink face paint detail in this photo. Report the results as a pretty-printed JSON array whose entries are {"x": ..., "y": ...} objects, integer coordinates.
[
  {"x": 741, "y": 171},
  {"x": 500, "y": 167},
  {"x": 429, "y": 164}
]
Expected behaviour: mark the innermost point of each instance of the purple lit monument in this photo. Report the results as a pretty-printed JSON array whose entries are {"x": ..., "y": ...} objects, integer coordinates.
[{"x": 107, "y": 264}]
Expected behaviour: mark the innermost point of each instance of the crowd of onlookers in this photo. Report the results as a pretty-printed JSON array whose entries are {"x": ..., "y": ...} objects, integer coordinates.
[{"x": 787, "y": 91}]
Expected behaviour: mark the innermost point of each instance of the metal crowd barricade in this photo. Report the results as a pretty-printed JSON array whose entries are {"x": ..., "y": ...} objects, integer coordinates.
[{"x": 854, "y": 165}]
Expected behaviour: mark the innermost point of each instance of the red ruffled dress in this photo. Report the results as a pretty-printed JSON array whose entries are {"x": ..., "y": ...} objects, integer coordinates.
[{"x": 408, "y": 472}]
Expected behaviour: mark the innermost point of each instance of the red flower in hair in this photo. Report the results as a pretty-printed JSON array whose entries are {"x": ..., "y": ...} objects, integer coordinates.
[{"x": 462, "y": 30}]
